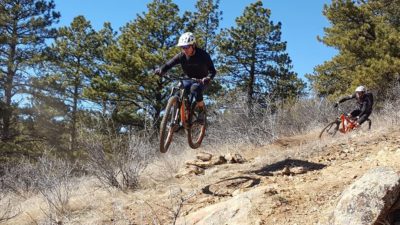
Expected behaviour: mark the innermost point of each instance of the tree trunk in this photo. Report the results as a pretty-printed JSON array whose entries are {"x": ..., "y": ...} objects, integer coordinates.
[
  {"x": 8, "y": 87},
  {"x": 7, "y": 110},
  {"x": 74, "y": 115},
  {"x": 250, "y": 89},
  {"x": 250, "y": 92}
]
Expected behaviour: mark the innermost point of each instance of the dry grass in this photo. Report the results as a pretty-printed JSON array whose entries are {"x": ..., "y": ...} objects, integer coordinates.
[{"x": 8, "y": 207}]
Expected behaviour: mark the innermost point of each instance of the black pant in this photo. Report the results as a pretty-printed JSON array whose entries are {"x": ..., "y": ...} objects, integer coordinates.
[
  {"x": 194, "y": 88},
  {"x": 362, "y": 118}
]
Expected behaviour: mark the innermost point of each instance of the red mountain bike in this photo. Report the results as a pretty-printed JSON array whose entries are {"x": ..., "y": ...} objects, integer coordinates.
[
  {"x": 182, "y": 112},
  {"x": 344, "y": 123}
]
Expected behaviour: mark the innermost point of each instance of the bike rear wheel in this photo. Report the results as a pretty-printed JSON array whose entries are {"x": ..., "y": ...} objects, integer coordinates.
[
  {"x": 197, "y": 126},
  {"x": 330, "y": 129},
  {"x": 168, "y": 124}
]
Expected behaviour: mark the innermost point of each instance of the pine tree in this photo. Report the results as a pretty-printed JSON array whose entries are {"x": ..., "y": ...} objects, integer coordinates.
[
  {"x": 99, "y": 90},
  {"x": 24, "y": 27},
  {"x": 253, "y": 57},
  {"x": 73, "y": 62},
  {"x": 144, "y": 44},
  {"x": 44, "y": 116},
  {"x": 204, "y": 23},
  {"x": 107, "y": 87},
  {"x": 367, "y": 37}
]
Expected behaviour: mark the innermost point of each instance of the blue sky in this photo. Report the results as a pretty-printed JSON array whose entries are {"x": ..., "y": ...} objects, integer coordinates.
[{"x": 302, "y": 21}]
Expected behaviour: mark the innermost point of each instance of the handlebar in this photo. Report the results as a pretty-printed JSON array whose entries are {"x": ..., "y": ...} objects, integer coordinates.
[
  {"x": 172, "y": 77},
  {"x": 341, "y": 111}
]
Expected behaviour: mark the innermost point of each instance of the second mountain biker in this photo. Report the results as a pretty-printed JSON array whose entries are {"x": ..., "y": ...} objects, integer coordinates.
[{"x": 364, "y": 101}]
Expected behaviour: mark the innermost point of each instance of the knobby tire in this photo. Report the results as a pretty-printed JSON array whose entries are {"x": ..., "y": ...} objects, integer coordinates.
[
  {"x": 328, "y": 128},
  {"x": 196, "y": 130},
  {"x": 166, "y": 128}
]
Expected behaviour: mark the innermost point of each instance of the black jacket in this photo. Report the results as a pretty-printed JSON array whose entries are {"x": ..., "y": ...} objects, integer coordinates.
[
  {"x": 197, "y": 66},
  {"x": 364, "y": 103}
]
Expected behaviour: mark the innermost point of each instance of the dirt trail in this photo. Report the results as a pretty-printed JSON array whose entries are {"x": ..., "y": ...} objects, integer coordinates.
[
  {"x": 295, "y": 180},
  {"x": 304, "y": 176}
]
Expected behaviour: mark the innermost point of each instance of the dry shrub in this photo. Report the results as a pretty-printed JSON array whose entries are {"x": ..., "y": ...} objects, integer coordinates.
[
  {"x": 169, "y": 210},
  {"x": 390, "y": 112},
  {"x": 164, "y": 167},
  {"x": 49, "y": 176},
  {"x": 232, "y": 122},
  {"x": 55, "y": 184},
  {"x": 117, "y": 159},
  {"x": 177, "y": 199},
  {"x": 20, "y": 178}
]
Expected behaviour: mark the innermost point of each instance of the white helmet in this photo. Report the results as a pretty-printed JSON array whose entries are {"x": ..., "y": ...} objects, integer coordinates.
[
  {"x": 361, "y": 89},
  {"x": 186, "y": 39}
]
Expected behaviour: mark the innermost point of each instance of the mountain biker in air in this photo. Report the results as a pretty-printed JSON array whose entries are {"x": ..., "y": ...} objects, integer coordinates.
[
  {"x": 364, "y": 102},
  {"x": 195, "y": 62}
]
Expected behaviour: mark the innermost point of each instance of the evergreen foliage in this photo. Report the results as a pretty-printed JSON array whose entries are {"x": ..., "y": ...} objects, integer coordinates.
[
  {"x": 253, "y": 57},
  {"x": 72, "y": 63},
  {"x": 366, "y": 35},
  {"x": 25, "y": 25},
  {"x": 146, "y": 42},
  {"x": 104, "y": 80},
  {"x": 205, "y": 23}
]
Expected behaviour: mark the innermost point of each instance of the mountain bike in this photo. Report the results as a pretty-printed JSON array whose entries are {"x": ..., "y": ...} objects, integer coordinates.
[
  {"x": 182, "y": 112},
  {"x": 343, "y": 123}
]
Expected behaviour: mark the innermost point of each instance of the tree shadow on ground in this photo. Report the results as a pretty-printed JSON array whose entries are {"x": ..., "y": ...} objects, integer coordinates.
[{"x": 268, "y": 170}]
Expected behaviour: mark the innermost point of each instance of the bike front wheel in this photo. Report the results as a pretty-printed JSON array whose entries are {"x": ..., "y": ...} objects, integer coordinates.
[
  {"x": 197, "y": 126},
  {"x": 330, "y": 129},
  {"x": 168, "y": 124}
]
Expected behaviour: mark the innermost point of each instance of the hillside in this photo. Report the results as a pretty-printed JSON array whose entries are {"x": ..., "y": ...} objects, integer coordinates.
[{"x": 294, "y": 180}]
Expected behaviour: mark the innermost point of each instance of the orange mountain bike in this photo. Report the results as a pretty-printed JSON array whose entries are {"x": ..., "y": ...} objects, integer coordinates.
[
  {"x": 344, "y": 123},
  {"x": 182, "y": 112}
]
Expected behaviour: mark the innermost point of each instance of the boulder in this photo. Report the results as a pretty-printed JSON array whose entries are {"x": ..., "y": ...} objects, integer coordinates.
[
  {"x": 204, "y": 156},
  {"x": 199, "y": 163},
  {"x": 234, "y": 158},
  {"x": 237, "y": 210},
  {"x": 218, "y": 160},
  {"x": 369, "y": 199},
  {"x": 193, "y": 169}
]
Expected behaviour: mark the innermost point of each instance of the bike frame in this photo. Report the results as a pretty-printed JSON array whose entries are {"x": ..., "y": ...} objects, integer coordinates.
[
  {"x": 347, "y": 123},
  {"x": 183, "y": 103}
]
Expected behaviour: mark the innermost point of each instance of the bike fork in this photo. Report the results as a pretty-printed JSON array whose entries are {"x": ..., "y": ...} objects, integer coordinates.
[{"x": 175, "y": 121}]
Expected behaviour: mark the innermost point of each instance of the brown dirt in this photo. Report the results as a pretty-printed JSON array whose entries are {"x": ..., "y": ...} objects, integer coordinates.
[{"x": 304, "y": 176}]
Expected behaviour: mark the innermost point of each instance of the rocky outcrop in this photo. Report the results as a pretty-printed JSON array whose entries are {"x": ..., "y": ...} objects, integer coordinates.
[
  {"x": 238, "y": 210},
  {"x": 369, "y": 200},
  {"x": 206, "y": 160}
]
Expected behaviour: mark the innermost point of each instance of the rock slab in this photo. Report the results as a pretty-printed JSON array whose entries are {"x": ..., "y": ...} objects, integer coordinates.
[{"x": 369, "y": 199}]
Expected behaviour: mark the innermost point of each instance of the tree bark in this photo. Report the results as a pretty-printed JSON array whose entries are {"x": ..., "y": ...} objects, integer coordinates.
[{"x": 8, "y": 87}]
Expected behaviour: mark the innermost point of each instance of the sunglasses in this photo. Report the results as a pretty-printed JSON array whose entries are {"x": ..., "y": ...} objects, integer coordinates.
[{"x": 186, "y": 46}]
